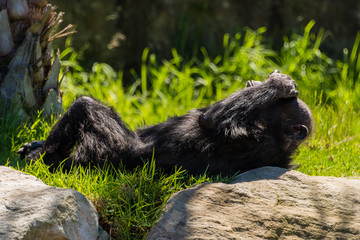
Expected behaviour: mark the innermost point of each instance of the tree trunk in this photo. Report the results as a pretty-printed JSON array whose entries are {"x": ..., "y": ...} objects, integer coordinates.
[{"x": 29, "y": 74}]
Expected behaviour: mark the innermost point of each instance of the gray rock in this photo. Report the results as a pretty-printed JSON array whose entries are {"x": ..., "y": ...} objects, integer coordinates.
[
  {"x": 265, "y": 203},
  {"x": 29, "y": 209}
]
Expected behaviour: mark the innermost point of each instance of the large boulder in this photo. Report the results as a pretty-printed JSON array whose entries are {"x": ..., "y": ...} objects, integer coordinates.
[
  {"x": 265, "y": 203},
  {"x": 29, "y": 209}
]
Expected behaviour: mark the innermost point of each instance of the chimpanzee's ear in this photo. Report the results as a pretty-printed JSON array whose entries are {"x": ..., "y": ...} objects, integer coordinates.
[
  {"x": 252, "y": 83},
  {"x": 206, "y": 122},
  {"x": 207, "y": 118},
  {"x": 298, "y": 132}
]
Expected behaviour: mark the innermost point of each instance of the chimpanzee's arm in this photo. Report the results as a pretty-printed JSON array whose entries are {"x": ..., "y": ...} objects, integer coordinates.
[
  {"x": 277, "y": 86},
  {"x": 246, "y": 104}
]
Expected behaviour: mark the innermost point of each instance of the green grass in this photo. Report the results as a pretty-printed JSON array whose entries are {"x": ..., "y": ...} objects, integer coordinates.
[{"x": 129, "y": 202}]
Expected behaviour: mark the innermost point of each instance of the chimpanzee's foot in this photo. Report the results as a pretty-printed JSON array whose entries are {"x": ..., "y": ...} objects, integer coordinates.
[{"x": 31, "y": 150}]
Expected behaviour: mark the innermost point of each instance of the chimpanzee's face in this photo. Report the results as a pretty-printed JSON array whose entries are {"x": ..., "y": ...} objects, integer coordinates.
[{"x": 292, "y": 122}]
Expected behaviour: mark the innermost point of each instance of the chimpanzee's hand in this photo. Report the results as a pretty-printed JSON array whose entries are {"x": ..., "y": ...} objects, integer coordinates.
[
  {"x": 29, "y": 147},
  {"x": 252, "y": 83},
  {"x": 283, "y": 84}
]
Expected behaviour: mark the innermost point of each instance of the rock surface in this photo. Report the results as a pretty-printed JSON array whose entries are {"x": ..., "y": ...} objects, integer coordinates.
[
  {"x": 29, "y": 209},
  {"x": 265, "y": 203}
]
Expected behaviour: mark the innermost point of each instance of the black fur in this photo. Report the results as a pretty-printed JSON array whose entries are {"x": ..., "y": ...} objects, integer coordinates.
[{"x": 261, "y": 125}]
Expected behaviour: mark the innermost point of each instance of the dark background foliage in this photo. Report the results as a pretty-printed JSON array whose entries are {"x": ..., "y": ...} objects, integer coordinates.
[{"x": 117, "y": 31}]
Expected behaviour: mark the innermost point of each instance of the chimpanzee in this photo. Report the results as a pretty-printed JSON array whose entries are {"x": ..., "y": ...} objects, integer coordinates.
[{"x": 260, "y": 125}]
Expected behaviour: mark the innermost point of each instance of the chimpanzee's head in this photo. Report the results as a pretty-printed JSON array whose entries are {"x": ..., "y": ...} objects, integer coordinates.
[{"x": 257, "y": 112}]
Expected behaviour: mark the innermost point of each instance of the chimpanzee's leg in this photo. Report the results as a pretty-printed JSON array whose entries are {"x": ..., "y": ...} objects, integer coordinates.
[
  {"x": 88, "y": 133},
  {"x": 104, "y": 136}
]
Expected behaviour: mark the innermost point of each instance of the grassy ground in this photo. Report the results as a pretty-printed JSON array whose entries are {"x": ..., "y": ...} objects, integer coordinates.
[{"x": 130, "y": 202}]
